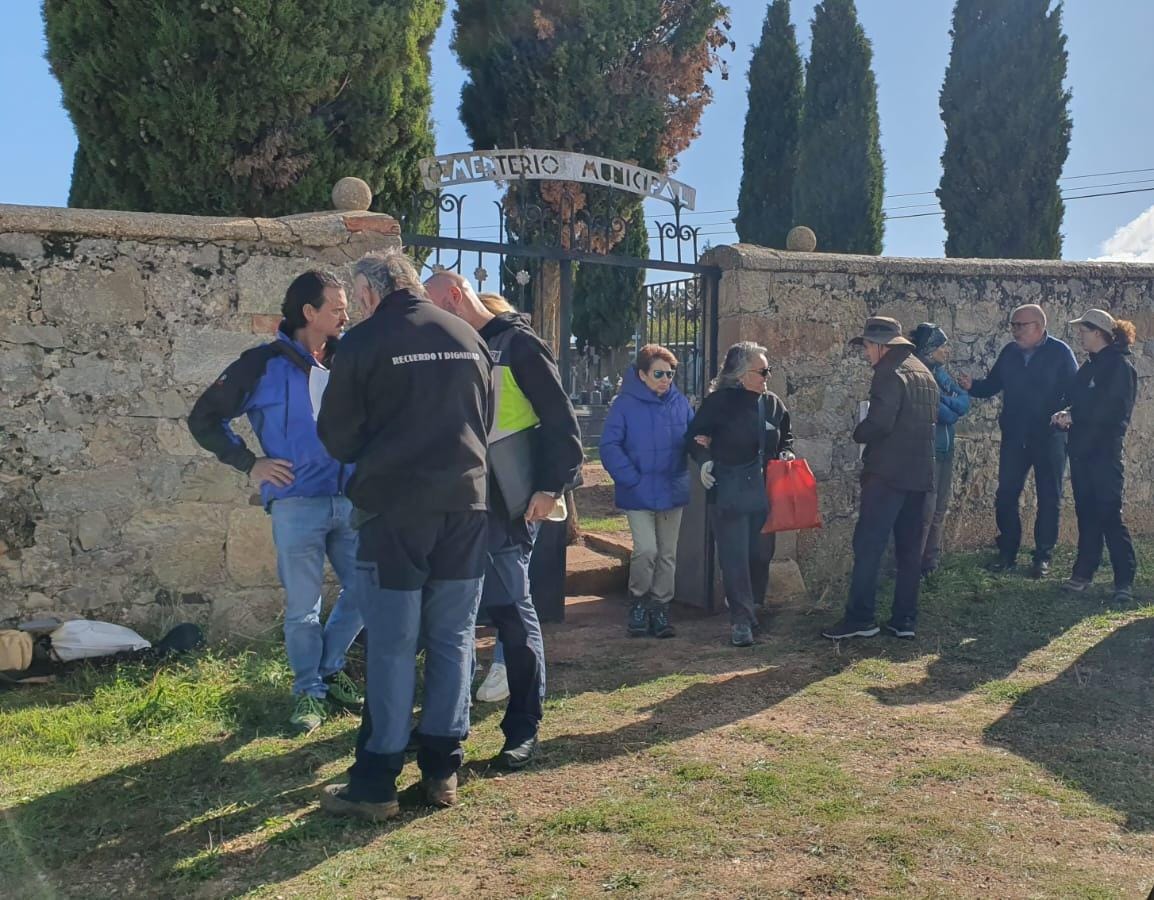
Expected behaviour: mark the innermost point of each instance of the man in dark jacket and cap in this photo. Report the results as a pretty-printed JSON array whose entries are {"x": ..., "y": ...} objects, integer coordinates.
[{"x": 898, "y": 434}]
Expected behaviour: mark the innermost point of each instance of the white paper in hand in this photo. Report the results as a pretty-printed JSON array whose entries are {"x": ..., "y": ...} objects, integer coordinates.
[
  {"x": 318, "y": 381},
  {"x": 863, "y": 410}
]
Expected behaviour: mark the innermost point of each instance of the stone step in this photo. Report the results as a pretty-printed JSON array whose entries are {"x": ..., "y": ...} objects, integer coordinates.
[{"x": 591, "y": 573}]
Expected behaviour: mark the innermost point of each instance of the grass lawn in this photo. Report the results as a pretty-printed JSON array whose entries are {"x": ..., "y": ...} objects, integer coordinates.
[{"x": 1008, "y": 752}]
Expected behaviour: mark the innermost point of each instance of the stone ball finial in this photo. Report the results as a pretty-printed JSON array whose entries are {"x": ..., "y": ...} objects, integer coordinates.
[
  {"x": 801, "y": 240},
  {"x": 352, "y": 195}
]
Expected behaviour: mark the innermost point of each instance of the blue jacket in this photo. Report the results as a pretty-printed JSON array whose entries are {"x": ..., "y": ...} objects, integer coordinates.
[
  {"x": 952, "y": 405},
  {"x": 643, "y": 446},
  {"x": 270, "y": 384}
]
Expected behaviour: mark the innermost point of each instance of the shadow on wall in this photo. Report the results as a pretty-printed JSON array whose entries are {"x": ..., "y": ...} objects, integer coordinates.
[{"x": 1093, "y": 725}]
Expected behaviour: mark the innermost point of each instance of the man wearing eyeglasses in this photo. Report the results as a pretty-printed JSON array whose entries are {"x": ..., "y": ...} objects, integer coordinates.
[{"x": 1032, "y": 373}]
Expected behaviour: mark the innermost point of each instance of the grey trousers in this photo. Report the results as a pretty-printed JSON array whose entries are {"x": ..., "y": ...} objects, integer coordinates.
[
  {"x": 937, "y": 505},
  {"x": 654, "y": 561}
]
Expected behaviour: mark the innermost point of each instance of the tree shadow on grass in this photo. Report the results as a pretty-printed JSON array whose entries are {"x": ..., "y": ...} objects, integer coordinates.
[
  {"x": 212, "y": 819},
  {"x": 1093, "y": 725},
  {"x": 982, "y": 626}
]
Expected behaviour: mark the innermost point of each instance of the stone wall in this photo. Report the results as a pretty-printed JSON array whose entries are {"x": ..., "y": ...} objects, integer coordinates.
[
  {"x": 804, "y": 308},
  {"x": 110, "y": 326}
]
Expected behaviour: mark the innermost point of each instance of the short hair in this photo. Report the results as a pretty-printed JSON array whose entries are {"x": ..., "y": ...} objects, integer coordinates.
[
  {"x": 650, "y": 353},
  {"x": 308, "y": 288},
  {"x": 737, "y": 360},
  {"x": 387, "y": 271},
  {"x": 1032, "y": 307}
]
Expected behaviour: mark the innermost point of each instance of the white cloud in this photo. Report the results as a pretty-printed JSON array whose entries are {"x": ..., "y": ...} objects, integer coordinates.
[{"x": 1132, "y": 243}]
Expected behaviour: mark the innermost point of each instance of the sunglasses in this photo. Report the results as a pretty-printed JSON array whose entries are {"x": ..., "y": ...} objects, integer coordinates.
[
  {"x": 662, "y": 373},
  {"x": 764, "y": 373}
]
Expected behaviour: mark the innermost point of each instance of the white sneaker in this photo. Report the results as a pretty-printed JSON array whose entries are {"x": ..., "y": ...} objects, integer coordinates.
[{"x": 495, "y": 687}]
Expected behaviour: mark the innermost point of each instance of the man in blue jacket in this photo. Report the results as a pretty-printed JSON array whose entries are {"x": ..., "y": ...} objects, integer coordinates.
[
  {"x": 1033, "y": 373},
  {"x": 301, "y": 485}
]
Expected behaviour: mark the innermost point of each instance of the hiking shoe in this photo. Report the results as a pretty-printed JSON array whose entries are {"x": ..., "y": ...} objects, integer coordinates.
[
  {"x": 1040, "y": 569},
  {"x": 495, "y": 687},
  {"x": 343, "y": 691},
  {"x": 659, "y": 622},
  {"x": 1075, "y": 585},
  {"x": 440, "y": 791},
  {"x": 843, "y": 630},
  {"x": 638, "y": 619},
  {"x": 308, "y": 715},
  {"x": 742, "y": 636},
  {"x": 1002, "y": 564},
  {"x": 517, "y": 756},
  {"x": 335, "y": 800},
  {"x": 1124, "y": 593},
  {"x": 905, "y": 632}
]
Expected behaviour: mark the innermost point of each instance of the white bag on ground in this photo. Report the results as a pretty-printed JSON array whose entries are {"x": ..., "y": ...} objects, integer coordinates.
[{"x": 83, "y": 639}]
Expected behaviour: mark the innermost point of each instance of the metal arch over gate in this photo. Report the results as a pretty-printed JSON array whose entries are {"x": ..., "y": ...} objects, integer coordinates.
[{"x": 682, "y": 310}]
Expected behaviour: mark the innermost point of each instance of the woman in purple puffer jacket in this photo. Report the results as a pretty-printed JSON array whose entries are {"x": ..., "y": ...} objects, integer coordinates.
[{"x": 643, "y": 450}]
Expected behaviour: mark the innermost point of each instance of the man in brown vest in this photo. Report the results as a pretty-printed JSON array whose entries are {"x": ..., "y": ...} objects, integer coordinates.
[{"x": 898, "y": 434}]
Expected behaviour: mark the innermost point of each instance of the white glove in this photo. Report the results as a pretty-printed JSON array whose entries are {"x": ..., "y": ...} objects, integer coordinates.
[
  {"x": 786, "y": 456},
  {"x": 707, "y": 478}
]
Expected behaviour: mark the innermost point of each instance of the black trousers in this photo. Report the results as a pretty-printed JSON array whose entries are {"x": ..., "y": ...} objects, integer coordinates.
[
  {"x": 1047, "y": 457},
  {"x": 1098, "y": 484},
  {"x": 743, "y": 555}
]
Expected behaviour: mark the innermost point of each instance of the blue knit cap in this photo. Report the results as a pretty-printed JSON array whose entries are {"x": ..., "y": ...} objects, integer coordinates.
[{"x": 927, "y": 337}]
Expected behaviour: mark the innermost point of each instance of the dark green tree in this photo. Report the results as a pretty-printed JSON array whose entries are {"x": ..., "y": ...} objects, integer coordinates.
[
  {"x": 772, "y": 126},
  {"x": 623, "y": 79},
  {"x": 243, "y": 106},
  {"x": 840, "y": 174},
  {"x": 608, "y": 301},
  {"x": 1007, "y": 118}
]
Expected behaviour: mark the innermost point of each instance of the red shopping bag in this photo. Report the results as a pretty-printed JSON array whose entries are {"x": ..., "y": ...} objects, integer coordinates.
[{"x": 792, "y": 492}]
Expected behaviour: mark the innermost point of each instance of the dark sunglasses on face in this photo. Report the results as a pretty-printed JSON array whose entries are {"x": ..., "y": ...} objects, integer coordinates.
[
  {"x": 764, "y": 373},
  {"x": 662, "y": 373}
]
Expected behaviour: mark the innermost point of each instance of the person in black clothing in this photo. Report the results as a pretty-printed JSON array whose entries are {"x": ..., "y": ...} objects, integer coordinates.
[
  {"x": 1032, "y": 373},
  {"x": 1101, "y": 402},
  {"x": 409, "y": 401},
  {"x": 897, "y": 476},
  {"x": 533, "y": 410},
  {"x": 738, "y": 429}
]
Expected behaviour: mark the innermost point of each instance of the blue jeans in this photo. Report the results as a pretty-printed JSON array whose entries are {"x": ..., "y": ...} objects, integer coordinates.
[
  {"x": 304, "y": 530},
  {"x": 506, "y": 598},
  {"x": 419, "y": 586}
]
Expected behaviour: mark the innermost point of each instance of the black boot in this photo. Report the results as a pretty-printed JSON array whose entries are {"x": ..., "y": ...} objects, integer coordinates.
[
  {"x": 659, "y": 621},
  {"x": 638, "y": 619}
]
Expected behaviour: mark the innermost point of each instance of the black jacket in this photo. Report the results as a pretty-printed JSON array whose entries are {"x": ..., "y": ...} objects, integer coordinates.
[
  {"x": 409, "y": 402},
  {"x": 898, "y": 431},
  {"x": 558, "y": 454},
  {"x": 1031, "y": 392},
  {"x": 729, "y": 417},
  {"x": 1102, "y": 398}
]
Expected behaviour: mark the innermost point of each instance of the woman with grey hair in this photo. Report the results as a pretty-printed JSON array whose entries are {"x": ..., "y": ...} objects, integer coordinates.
[{"x": 740, "y": 427}]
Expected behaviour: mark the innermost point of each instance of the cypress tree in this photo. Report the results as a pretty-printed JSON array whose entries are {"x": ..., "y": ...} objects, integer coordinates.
[
  {"x": 772, "y": 124},
  {"x": 840, "y": 173},
  {"x": 243, "y": 106},
  {"x": 1007, "y": 119},
  {"x": 623, "y": 79}
]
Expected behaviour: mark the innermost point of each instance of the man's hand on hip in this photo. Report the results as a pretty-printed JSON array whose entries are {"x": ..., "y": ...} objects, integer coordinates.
[{"x": 277, "y": 472}]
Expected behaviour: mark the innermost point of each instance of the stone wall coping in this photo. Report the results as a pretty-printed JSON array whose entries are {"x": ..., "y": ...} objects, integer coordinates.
[
  {"x": 762, "y": 259},
  {"x": 321, "y": 229}
]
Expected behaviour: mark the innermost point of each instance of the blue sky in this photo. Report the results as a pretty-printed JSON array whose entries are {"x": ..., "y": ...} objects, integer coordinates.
[{"x": 1111, "y": 71}]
